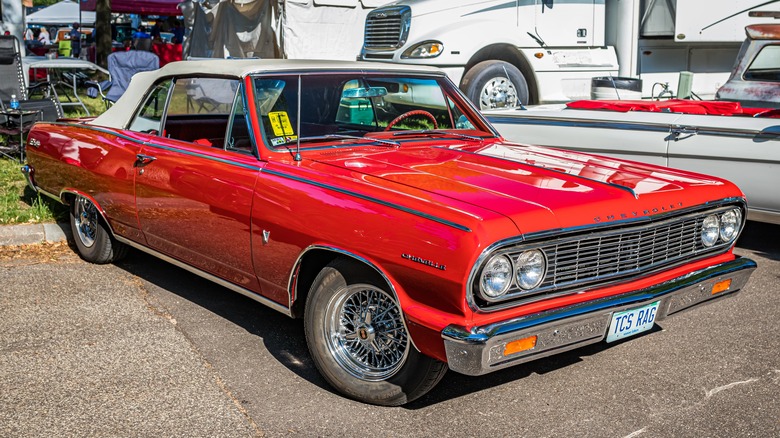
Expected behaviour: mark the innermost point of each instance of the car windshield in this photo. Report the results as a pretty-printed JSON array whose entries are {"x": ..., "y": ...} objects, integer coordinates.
[{"x": 358, "y": 106}]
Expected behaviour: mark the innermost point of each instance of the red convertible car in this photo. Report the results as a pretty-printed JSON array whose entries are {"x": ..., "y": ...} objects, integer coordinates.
[{"x": 374, "y": 202}]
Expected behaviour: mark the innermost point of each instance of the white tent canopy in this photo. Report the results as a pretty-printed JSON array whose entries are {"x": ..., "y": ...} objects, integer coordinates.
[{"x": 63, "y": 13}]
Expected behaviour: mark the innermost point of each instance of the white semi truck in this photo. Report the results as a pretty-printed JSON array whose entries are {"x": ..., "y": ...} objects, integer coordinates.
[{"x": 506, "y": 52}]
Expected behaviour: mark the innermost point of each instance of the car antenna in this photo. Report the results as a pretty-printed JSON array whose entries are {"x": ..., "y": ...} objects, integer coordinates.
[{"x": 298, "y": 124}]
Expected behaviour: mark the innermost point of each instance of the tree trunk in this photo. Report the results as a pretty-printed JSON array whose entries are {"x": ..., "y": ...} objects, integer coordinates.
[{"x": 103, "y": 31}]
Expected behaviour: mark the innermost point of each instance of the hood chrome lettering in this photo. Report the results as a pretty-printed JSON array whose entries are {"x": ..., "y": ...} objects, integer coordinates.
[
  {"x": 637, "y": 213},
  {"x": 423, "y": 261}
]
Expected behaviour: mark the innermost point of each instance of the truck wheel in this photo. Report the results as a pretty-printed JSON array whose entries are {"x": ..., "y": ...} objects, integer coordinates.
[
  {"x": 495, "y": 84},
  {"x": 356, "y": 335},
  {"x": 93, "y": 240}
]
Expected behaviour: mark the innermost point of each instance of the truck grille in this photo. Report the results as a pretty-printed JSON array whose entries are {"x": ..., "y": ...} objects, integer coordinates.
[
  {"x": 387, "y": 28},
  {"x": 595, "y": 257}
]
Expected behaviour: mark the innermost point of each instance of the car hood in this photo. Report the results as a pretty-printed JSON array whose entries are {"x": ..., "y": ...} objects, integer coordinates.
[{"x": 538, "y": 188}]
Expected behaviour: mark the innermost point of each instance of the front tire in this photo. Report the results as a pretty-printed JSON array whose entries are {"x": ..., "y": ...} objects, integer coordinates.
[
  {"x": 94, "y": 241},
  {"x": 358, "y": 340},
  {"x": 495, "y": 84}
]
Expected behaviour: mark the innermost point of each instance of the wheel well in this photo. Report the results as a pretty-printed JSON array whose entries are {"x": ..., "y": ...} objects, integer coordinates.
[
  {"x": 508, "y": 53},
  {"x": 312, "y": 263}
]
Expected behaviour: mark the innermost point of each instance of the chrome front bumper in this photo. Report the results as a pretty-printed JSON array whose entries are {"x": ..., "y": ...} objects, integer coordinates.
[{"x": 481, "y": 350}]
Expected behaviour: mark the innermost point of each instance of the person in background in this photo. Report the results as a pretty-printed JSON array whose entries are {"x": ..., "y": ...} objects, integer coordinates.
[
  {"x": 28, "y": 35},
  {"x": 141, "y": 33},
  {"x": 178, "y": 32},
  {"x": 75, "y": 41},
  {"x": 43, "y": 37}
]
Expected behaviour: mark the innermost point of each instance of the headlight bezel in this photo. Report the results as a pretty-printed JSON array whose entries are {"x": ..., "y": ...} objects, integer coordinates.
[
  {"x": 414, "y": 51},
  {"x": 495, "y": 259},
  {"x": 737, "y": 225}
]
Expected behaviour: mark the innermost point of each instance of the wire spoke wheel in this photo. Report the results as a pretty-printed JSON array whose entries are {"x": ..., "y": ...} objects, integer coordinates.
[{"x": 366, "y": 333}]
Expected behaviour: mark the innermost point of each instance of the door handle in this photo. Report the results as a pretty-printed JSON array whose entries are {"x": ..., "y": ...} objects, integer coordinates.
[
  {"x": 681, "y": 133},
  {"x": 142, "y": 160}
]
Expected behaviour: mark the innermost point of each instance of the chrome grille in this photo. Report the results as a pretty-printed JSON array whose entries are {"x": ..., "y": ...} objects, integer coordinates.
[
  {"x": 621, "y": 252},
  {"x": 595, "y": 256},
  {"x": 386, "y": 28}
]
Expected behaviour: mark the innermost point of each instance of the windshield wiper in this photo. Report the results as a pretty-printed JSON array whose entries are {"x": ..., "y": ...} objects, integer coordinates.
[
  {"x": 433, "y": 132},
  {"x": 343, "y": 137}
]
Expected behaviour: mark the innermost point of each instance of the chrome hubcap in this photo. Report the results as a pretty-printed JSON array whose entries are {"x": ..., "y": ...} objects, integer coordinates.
[
  {"x": 86, "y": 216},
  {"x": 366, "y": 334},
  {"x": 498, "y": 92}
]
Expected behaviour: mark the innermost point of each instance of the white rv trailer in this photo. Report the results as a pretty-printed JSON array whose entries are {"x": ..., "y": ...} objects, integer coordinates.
[{"x": 502, "y": 52}]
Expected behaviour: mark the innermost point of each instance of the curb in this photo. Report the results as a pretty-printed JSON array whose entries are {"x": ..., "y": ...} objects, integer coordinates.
[{"x": 28, "y": 234}]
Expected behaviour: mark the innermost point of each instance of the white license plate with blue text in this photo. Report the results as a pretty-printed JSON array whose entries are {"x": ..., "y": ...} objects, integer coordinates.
[{"x": 632, "y": 322}]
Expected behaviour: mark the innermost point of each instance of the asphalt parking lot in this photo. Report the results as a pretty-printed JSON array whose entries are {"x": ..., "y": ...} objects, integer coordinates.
[{"x": 143, "y": 348}]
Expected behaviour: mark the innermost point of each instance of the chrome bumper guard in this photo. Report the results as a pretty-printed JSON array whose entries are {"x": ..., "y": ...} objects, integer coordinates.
[
  {"x": 28, "y": 171},
  {"x": 481, "y": 350}
]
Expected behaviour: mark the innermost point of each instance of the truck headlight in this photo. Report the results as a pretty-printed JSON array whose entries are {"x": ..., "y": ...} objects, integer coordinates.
[
  {"x": 710, "y": 230},
  {"x": 530, "y": 267},
  {"x": 729, "y": 224},
  {"x": 427, "y": 49},
  {"x": 496, "y": 276}
]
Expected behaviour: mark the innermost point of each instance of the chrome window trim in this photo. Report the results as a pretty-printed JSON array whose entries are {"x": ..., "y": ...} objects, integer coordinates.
[{"x": 571, "y": 233}]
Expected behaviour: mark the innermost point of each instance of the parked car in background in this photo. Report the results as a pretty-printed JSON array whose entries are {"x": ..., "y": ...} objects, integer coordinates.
[
  {"x": 377, "y": 204},
  {"x": 755, "y": 80},
  {"x": 717, "y": 138}
]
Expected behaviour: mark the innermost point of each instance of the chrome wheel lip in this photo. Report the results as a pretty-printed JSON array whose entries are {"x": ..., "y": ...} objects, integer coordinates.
[
  {"x": 365, "y": 332},
  {"x": 498, "y": 92},
  {"x": 86, "y": 218}
]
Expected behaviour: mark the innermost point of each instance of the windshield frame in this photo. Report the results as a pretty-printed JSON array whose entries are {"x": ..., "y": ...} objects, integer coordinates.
[{"x": 451, "y": 94}]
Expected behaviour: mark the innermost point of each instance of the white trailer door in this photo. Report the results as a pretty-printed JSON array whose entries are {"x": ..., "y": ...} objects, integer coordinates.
[{"x": 565, "y": 23}]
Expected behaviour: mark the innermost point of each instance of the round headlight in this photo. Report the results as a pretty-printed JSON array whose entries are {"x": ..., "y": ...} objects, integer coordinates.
[
  {"x": 496, "y": 276},
  {"x": 710, "y": 230},
  {"x": 530, "y": 267},
  {"x": 729, "y": 225}
]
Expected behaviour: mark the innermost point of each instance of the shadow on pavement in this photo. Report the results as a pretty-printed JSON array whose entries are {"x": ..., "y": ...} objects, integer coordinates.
[
  {"x": 284, "y": 338},
  {"x": 761, "y": 238}
]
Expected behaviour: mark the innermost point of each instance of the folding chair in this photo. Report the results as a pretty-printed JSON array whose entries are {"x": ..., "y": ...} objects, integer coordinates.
[{"x": 122, "y": 66}]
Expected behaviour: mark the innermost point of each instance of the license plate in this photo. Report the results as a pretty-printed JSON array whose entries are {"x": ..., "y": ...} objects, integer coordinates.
[{"x": 631, "y": 322}]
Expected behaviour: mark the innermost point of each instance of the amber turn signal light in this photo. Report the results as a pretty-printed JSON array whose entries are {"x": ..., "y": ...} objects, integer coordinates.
[
  {"x": 721, "y": 286},
  {"x": 520, "y": 345},
  {"x": 538, "y": 55}
]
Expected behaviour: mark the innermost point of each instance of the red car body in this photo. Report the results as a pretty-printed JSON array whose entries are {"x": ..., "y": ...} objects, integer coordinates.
[{"x": 425, "y": 215}]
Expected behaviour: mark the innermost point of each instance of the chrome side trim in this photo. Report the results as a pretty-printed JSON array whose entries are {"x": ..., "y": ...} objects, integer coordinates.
[
  {"x": 291, "y": 282},
  {"x": 479, "y": 350},
  {"x": 158, "y": 146},
  {"x": 245, "y": 292},
  {"x": 368, "y": 198},
  {"x": 771, "y": 217}
]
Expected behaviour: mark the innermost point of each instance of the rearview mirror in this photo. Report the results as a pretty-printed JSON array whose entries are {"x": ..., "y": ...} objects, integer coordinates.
[{"x": 355, "y": 93}]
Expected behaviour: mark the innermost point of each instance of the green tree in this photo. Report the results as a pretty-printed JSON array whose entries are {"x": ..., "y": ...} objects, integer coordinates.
[{"x": 103, "y": 31}]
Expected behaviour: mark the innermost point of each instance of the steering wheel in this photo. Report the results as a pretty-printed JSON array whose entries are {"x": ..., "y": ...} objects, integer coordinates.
[{"x": 413, "y": 113}]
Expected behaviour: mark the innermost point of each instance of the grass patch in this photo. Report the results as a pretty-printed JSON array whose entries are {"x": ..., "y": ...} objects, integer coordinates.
[{"x": 18, "y": 203}]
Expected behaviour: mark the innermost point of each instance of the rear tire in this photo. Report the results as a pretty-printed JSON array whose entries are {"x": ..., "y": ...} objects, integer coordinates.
[
  {"x": 94, "y": 241},
  {"x": 357, "y": 338},
  {"x": 495, "y": 84}
]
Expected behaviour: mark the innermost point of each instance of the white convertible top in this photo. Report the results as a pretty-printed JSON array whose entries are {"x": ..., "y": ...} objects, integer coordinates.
[{"x": 120, "y": 113}]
